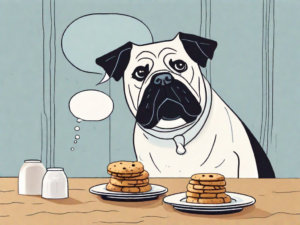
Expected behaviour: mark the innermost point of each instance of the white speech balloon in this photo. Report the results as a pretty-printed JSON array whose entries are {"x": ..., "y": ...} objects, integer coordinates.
[
  {"x": 91, "y": 105},
  {"x": 91, "y": 36}
]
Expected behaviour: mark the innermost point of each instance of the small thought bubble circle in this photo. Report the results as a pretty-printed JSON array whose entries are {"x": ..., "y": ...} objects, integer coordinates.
[
  {"x": 77, "y": 128},
  {"x": 75, "y": 142},
  {"x": 77, "y": 137},
  {"x": 72, "y": 149}
]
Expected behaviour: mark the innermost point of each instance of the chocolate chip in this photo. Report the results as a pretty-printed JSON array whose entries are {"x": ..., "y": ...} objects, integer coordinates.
[
  {"x": 133, "y": 164},
  {"x": 124, "y": 168},
  {"x": 120, "y": 163},
  {"x": 131, "y": 170},
  {"x": 211, "y": 176},
  {"x": 203, "y": 175},
  {"x": 115, "y": 165}
]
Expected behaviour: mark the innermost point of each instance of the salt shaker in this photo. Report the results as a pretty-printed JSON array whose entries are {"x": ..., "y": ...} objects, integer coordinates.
[
  {"x": 30, "y": 177},
  {"x": 55, "y": 184}
]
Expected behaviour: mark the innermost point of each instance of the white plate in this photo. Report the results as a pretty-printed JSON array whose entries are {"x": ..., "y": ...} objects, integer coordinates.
[
  {"x": 238, "y": 201},
  {"x": 155, "y": 191}
]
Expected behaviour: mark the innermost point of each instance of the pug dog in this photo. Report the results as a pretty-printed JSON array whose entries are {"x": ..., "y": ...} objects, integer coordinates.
[{"x": 182, "y": 125}]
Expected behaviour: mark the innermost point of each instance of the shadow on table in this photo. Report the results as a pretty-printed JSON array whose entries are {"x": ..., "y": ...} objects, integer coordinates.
[
  {"x": 66, "y": 201},
  {"x": 135, "y": 204},
  {"x": 246, "y": 213}
]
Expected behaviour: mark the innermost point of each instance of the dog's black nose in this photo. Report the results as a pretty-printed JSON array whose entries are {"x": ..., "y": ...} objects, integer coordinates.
[{"x": 162, "y": 79}]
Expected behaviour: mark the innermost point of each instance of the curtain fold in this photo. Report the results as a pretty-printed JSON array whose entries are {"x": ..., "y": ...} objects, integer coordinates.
[
  {"x": 268, "y": 46},
  {"x": 205, "y": 31},
  {"x": 49, "y": 71}
]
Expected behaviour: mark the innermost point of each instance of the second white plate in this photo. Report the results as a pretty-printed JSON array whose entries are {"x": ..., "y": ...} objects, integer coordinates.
[{"x": 238, "y": 202}]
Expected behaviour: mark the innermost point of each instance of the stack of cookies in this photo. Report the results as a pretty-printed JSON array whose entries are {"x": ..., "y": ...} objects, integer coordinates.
[
  {"x": 207, "y": 188},
  {"x": 128, "y": 177}
]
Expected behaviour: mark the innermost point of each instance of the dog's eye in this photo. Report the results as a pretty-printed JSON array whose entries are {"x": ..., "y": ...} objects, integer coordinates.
[
  {"x": 140, "y": 72},
  {"x": 178, "y": 65}
]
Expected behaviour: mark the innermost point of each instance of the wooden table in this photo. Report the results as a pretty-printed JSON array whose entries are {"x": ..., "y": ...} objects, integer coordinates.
[{"x": 277, "y": 202}]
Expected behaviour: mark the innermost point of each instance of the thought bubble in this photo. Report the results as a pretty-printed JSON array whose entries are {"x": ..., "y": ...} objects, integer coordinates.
[
  {"x": 91, "y": 36},
  {"x": 91, "y": 105}
]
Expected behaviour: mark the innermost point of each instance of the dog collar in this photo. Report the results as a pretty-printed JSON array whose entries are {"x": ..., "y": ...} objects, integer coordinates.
[{"x": 183, "y": 136}]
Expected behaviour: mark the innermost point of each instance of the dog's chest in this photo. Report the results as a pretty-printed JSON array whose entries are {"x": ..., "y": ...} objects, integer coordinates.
[{"x": 161, "y": 159}]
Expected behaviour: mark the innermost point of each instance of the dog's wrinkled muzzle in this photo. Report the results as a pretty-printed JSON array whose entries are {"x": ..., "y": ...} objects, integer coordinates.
[{"x": 168, "y": 99}]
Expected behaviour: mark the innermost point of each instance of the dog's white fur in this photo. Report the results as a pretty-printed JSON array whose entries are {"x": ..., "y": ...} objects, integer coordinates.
[{"x": 222, "y": 146}]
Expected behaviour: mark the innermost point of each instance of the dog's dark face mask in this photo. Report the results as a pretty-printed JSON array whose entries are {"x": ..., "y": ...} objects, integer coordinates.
[
  {"x": 168, "y": 99},
  {"x": 165, "y": 98}
]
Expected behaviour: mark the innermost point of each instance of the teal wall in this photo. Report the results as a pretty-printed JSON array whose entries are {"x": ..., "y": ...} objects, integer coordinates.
[
  {"x": 21, "y": 83},
  {"x": 34, "y": 93}
]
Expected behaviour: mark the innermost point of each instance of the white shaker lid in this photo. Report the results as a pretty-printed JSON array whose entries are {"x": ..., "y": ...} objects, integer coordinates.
[
  {"x": 32, "y": 161},
  {"x": 55, "y": 169}
]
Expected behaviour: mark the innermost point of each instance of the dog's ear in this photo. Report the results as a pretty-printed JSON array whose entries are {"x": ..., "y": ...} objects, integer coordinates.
[
  {"x": 198, "y": 48},
  {"x": 115, "y": 62}
]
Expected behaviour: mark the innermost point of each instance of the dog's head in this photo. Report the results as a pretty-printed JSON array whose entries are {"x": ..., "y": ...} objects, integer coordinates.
[{"x": 162, "y": 81}]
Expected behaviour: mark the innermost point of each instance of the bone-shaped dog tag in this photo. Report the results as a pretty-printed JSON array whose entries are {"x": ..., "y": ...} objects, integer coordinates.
[{"x": 179, "y": 140}]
